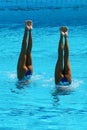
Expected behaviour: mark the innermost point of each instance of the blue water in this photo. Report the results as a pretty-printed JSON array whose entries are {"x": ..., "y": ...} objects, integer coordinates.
[{"x": 33, "y": 106}]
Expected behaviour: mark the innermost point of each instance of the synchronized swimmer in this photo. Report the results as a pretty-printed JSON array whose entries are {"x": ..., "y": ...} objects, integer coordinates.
[
  {"x": 63, "y": 74},
  {"x": 24, "y": 66}
]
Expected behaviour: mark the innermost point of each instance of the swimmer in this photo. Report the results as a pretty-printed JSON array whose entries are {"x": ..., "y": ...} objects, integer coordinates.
[
  {"x": 63, "y": 73},
  {"x": 24, "y": 66}
]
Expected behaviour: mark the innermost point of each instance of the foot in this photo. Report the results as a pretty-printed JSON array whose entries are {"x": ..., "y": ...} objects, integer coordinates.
[
  {"x": 28, "y": 24},
  {"x": 61, "y": 31},
  {"x": 64, "y": 31}
]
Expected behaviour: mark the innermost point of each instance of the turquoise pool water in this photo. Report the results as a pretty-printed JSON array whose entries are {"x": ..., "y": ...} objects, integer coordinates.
[{"x": 33, "y": 106}]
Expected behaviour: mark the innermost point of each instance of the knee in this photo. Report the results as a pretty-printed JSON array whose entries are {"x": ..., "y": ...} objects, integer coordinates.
[{"x": 69, "y": 77}]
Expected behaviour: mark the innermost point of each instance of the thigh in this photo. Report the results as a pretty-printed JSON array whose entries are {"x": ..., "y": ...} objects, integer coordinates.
[
  {"x": 69, "y": 76},
  {"x": 21, "y": 72},
  {"x": 21, "y": 66},
  {"x": 58, "y": 72},
  {"x": 68, "y": 72}
]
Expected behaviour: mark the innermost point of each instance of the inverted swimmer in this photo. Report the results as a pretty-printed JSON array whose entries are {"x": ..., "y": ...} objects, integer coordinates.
[
  {"x": 24, "y": 66},
  {"x": 63, "y": 73}
]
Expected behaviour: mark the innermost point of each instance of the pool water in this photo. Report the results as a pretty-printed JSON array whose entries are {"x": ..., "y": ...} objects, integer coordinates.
[{"x": 34, "y": 106}]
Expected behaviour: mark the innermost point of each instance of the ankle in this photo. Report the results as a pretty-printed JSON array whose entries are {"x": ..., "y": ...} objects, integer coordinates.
[
  {"x": 30, "y": 30},
  {"x": 66, "y": 36},
  {"x": 25, "y": 29},
  {"x": 61, "y": 36}
]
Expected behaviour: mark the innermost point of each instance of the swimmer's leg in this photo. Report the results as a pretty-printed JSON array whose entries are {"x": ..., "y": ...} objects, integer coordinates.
[
  {"x": 21, "y": 66},
  {"x": 29, "y": 49},
  {"x": 59, "y": 64},
  {"x": 67, "y": 69}
]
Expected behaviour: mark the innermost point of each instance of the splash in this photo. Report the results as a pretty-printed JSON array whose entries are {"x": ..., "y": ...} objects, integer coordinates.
[
  {"x": 12, "y": 75},
  {"x": 67, "y": 89}
]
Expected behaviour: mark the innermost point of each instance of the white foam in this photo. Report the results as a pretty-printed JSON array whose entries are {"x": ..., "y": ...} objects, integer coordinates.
[
  {"x": 49, "y": 80},
  {"x": 74, "y": 84},
  {"x": 37, "y": 77},
  {"x": 12, "y": 75},
  {"x": 68, "y": 88}
]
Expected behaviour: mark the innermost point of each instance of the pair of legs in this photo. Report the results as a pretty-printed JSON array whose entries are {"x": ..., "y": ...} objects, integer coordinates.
[
  {"x": 25, "y": 58},
  {"x": 60, "y": 70}
]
